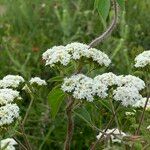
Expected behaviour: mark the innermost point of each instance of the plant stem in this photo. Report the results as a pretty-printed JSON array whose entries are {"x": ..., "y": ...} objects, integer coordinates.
[
  {"x": 93, "y": 147},
  {"x": 143, "y": 112},
  {"x": 109, "y": 29},
  {"x": 70, "y": 123},
  {"x": 28, "y": 110},
  {"x": 114, "y": 113},
  {"x": 19, "y": 143},
  {"x": 25, "y": 137}
]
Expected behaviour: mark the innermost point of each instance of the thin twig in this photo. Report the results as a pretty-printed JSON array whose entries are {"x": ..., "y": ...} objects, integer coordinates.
[
  {"x": 109, "y": 29},
  {"x": 70, "y": 123},
  {"x": 20, "y": 143},
  {"x": 28, "y": 110},
  {"x": 93, "y": 146},
  {"x": 25, "y": 137},
  {"x": 143, "y": 113}
]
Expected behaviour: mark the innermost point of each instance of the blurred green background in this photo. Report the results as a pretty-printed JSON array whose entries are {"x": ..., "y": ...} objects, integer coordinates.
[{"x": 30, "y": 27}]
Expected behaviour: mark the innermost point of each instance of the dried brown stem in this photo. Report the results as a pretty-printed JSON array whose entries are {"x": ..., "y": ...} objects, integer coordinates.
[
  {"x": 109, "y": 29},
  {"x": 70, "y": 123}
]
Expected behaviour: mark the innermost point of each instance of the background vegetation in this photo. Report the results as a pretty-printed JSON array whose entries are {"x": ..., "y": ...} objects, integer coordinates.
[{"x": 28, "y": 28}]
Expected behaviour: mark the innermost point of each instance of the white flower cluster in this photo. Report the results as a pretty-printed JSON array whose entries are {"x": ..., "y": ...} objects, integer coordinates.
[
  {"x": 8, "y": 144},
  {"x": 131, "y": 81},
  {"x": 38, "y": 81},
  {"x": 74, "y": 51},
  {"x": 8, "y": 96},
  {"x": 83, "y": 87},
  {"x": 142, "y": 59},
  {"x": 80, "y": 85},
  {"x": 142, "y": 102},
  {"x": 115, "y": 135},
  {"x": 127, "y": 95},
  {"x": 9, "y": 111},
  {"x": 128, "y": 90},
  {"x": 11, "y": 81}
]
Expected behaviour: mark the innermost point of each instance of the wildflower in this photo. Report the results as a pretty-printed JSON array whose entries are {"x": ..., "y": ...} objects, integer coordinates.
[
  {"x": 109, "y": 79},
  {"x": 8, "y": 96},
  {"x": 74, "y": 51},
  {"x": 80, "y": 85},
  {"x": 11, "y": 81},
  {"x": 142, "y": 59},
  {"x": 131, "y": 81},
  {"x": 56, "y": 54},
  {"x": 142, "y": 102},
  {"x": 127, "y": 95},
  {"x": 38, "y": 81},
  {"x": 78, "y": 50},
  {"x": 129, "y": 113},
  {"x": 8, "y": 144},
  {"x": 115, "y": 135},
  {"x": 8, "y": 113}
]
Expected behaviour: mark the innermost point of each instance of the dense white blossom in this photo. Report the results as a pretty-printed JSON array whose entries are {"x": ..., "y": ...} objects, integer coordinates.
[
  {"x": 142, "y": 102},
  {"x": 78, "y": 50},
  {"x": 56, "y": 54},
  {"x": 108, "y": 79},
  {"x": 74, "y": 51},
  {"x": 11, "y": 81},
  {"x": 38, "y": 81},
  {"x": 127, "y": 95},
  {"x": 8, "y": 96},
  {"x": 8, "y": 113},
  {"x": 8, "y": 144},
  {"x": 131, "y": 81},
  {"x": 80, "y": 85},
  {"x": 143, "y": 59},
  {"x": 114, "y": 134}
]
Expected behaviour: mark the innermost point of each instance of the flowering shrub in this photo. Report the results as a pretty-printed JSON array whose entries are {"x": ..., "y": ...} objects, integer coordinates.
[{"x": 86, "y": 89}]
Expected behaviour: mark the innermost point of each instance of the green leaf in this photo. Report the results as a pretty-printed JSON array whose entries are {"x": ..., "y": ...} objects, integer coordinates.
[
  {"x": 83, "y": 114},
  {"x": 103, "y": 7},
  {"x": 57, "y": 78},
  {"x": 55, "y": 98},
  {"x": 121, "y": 4}
]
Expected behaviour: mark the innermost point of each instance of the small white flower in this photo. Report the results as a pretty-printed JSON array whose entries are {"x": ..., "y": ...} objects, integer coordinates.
[
  {"x": 74, "y": 51},
  {"x": 109, "y": 79},
  {"x": 142, "y": 102},
  {"x": 56, "y": 54},
  {"x": 115, "y": 135},
  {"x": 148, "y": 127},
  {"x": 80, "y": 85},
  {"x": 131, "y": 81},
  {"x": 8, "y": 113},
  {"x": 11, "y": 81},
  {"x": 8, "y": 144},
  {"x": 129, "y": 113},
  {"x": 142, "y": 59},
  {"x": 8, "y": 96},
  {"x": 79, "y": 50},
  {"x": 38, "y": 81},
  {"x": 127, "y": 95}
]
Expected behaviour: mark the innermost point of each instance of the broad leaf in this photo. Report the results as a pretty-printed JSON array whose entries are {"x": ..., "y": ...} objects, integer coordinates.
[
  {"x": 103, "y": 7},
  {"x": 121, "y": 3},
  {"x": 55, "y": 98},
  {"x": 83, "y": 114}
]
